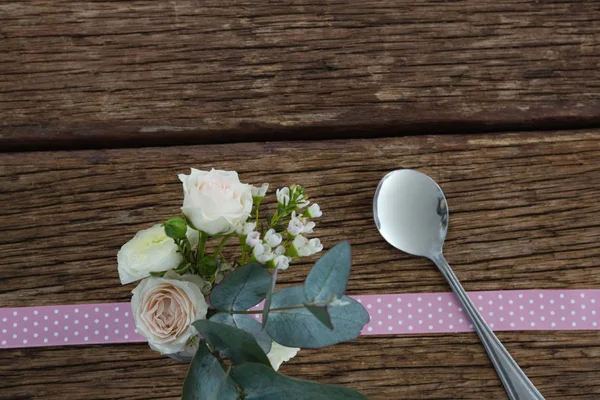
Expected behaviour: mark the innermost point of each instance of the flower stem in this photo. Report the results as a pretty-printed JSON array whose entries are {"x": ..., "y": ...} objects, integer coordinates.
[
  {"x": 222, "y": 243},
  {"x": 260, "y": 311},
  {"x": 200, "y": 251}
]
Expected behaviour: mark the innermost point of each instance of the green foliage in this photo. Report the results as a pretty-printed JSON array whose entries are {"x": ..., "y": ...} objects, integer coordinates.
[
  {"x": 206, "y": 379},
  {"x": 243, "y": 288},
  {"x": 321, "y": 313},
  {"x": 238, "y": 345},
  {"x": 267, "y": 305},
  {"x": 295, "y": 326},
  {"x": 248, "y": 324},
  {"x": 314, "y": 315},
  {"x": 328, "y": 278},
  {"x": 261, "y": 383}
]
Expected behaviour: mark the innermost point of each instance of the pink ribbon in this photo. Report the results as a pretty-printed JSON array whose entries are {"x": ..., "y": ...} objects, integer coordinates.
[{"x": 394, "y": 314}]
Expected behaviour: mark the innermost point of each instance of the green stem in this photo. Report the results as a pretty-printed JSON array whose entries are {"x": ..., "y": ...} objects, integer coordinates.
[
  {"x": 201, "y": 244},
  {"x": 260, "y": 311},
  {"x": 257, "y": 205},
  {"x": 223, "y": 242}
]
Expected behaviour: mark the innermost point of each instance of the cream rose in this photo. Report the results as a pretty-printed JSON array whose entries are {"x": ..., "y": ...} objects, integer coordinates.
[
  {"x": 216, "y": 201},
  {"x": 164, "y": 309},
  {"x": 150, "y": 250},
  {"x": 280, "y": 354}
]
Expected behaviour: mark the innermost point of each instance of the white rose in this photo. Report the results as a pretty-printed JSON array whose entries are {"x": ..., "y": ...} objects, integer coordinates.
[
  {"x": 280, "y": 354},
  {"x": 150, "y": 250},
  {"x": 164, "y": 309},
  {"x": 216, "y": 201}
]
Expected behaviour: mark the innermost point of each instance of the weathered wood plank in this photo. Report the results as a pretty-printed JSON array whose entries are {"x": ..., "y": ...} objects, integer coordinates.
[
  {"x": 75, "y": 73},
  {"x": 524, "y": 214}
]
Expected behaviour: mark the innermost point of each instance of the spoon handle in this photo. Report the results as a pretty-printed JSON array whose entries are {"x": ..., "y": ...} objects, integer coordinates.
[{"x": 517, "y": 384}]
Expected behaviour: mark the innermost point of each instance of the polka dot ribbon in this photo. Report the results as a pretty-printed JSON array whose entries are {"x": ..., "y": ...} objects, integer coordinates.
[{"x": 514, "y": 310}]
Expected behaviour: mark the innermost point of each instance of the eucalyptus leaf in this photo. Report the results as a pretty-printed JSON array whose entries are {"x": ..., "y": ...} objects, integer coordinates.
[
  {"x": 298, "y": 327},
  {"x": 248, "y": 324},
  {"x": 206, "y": 379},
  {"x": 243, "y": 288},
  {"x": 261, "y": 383},
  {"x": 328, "y": 277},
  {"x": 320, "y": 313},
  {"x": 238, "y": 345},
  {"x": 267, "y": 305}
]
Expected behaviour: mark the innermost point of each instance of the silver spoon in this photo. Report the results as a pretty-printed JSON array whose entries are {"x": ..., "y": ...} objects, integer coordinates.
[{"x": 411, "y": 213}]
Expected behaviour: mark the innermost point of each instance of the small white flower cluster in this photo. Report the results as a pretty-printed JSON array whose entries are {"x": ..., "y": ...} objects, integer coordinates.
[
  {"x": 294, "y": 194},
  {"x": 270, "y": 249},
  {"x": 267, "y": 250}
]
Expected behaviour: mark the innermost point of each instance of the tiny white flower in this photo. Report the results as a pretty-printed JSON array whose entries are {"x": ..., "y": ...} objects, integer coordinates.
[
  {"x": 315, "y": 246},
  {"x": 273, "y": 238},
  {"x": 305, "y": 247},
  {"x": 280, "y": 250},
  {"x": 308, "y": 227},
  {"x": 314, "y": 211},
  {"x": 262, "y": 253},
  {"x": 295, "y": 227},
  {"x": 247, "y": 228},
  {"x": 253, "y": 239},
  {"x": 281, "y": 262},
  {"x": 283, "y": 195},
  {"x": 260, "y": 191}
]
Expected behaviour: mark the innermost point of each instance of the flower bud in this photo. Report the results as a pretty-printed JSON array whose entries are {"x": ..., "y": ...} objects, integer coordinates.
[{"x": 175, "y": 228}]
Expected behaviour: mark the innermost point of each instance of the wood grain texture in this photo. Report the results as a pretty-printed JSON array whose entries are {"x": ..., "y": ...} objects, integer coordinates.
[
  {"x": 524, "y": 215},
  {"x": 104, "y": 73}
]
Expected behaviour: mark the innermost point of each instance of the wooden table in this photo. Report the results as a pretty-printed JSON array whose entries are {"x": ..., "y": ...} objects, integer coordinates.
[{"x": 103, "y": 103}]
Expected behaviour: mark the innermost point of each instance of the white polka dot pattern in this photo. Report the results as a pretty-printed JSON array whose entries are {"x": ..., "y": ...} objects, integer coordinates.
[
  {"x": 390, "y": 314},
  {"x": 509, "y": 310},
  {"x": 67, "y": 325}
]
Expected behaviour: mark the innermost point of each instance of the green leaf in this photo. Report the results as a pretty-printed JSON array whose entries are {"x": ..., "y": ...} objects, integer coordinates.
[
  {"x": 261, "y": 383},
  {"x": 320, "y": 313},
  {"x": 243, "y": 288},
  {"x": 300, "y": 328},
  {"x": 206, "y": 379},
  {"x": 182, "y": 270},
  {"x": 238, "y": 345},
  {"x": 248, "y": 324},
  {"x": 267, "y": 305},
  {"x": 328, "y": 277},
  {"x": 208, "y": 266},
  {"x": 158, "y": 274}
]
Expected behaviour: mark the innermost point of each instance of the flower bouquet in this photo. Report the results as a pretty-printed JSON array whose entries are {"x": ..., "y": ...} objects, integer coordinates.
[{"x": 199, "y": 299}]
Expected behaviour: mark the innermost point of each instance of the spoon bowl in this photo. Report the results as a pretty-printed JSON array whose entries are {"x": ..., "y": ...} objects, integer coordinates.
[
  {"x": 414, "y": 221},
  {"x": 411, "y": 213}
]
